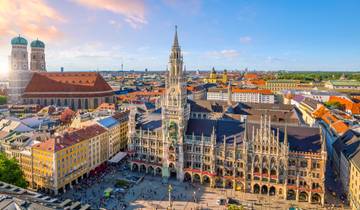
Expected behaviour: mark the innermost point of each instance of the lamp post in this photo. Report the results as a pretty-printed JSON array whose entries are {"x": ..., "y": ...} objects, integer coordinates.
[{"x": 170, "y": 189}]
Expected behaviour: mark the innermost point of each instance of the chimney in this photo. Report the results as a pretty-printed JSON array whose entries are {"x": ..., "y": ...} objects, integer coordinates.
[{"x": 58, "y": 139}]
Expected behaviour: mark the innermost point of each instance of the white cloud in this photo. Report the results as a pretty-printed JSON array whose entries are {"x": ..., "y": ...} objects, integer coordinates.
[
  {"x": 31, "y": 18},
  {"x": 227, "y": 53},
  {"x": 115, "y": 23},
  {"x": 132, "y": 10},
  {"x": 245, "y": 39}
]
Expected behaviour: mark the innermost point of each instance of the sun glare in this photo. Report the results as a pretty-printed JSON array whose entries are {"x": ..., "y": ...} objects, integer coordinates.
[{"x": 3, "y": 69}]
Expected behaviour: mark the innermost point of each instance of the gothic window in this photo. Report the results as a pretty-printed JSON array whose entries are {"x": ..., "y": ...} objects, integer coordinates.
[
  {"x": 72, "y": 104},
  {"x": 96, "y": 103},
  {"x": 86, "y": 103}
]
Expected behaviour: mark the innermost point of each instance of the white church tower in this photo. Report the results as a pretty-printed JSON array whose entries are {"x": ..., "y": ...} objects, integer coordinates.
[
  {"x": 175, "y": 115},
  {"x": 19, "y": 74}
]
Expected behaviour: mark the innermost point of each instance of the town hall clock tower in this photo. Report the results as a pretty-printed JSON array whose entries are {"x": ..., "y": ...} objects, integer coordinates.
[{"x": 175, "y": 115}]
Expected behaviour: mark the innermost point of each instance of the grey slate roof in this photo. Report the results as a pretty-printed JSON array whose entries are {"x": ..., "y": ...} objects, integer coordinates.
[
  {"x": 348, "y": 144},
  {"x": 223, "y": 128},
  {"x": 303, "y": 139}
]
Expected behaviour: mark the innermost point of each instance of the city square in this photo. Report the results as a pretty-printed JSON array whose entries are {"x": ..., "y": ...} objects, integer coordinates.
[
  {"x": 179, "y": 105},
  {"x": 153, "y": 193}
]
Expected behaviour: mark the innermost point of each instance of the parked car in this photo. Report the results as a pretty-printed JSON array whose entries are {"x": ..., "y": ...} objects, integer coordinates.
[{"x": 221, "y": 202}]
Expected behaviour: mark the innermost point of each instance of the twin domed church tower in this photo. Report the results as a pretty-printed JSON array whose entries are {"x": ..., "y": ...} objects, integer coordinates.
[{"x": 20, "y": 74}]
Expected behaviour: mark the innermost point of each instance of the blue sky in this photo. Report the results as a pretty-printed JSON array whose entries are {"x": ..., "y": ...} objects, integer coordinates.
[{"x": 234, "y": 34}]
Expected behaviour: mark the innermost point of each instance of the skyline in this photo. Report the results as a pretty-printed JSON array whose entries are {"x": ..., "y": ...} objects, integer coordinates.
[{"x": 90, "y": 35}]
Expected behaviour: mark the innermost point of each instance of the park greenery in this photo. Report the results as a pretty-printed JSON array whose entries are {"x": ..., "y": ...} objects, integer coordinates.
[
  {"x": 10, "y": 171},
  {"x": 334, "y": 105},
  {"x": 3, "y": 100},
  {"x": 318, "y": 76},
  {"x": 235, "y": 207}
]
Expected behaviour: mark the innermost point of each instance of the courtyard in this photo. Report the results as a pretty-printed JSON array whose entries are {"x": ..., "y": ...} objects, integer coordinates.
[{"x": 149, "y": 192}]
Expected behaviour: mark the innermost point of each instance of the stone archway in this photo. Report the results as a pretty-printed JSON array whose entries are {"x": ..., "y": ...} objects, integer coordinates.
[
  {"x": 256, "y": 189},
  {"x": 142, "y": 168},
  {"x": 239, "y": 186},
  {"x": 206, "y": 180},
  {"x": 304, "y": 197},
  {"x": 272, "y": 190},
  {"x": 135, "y": 167},
  {"x": 316, "y": 198},
  {"x": 196, "y": 178},
  {"x": 291, "y": 195},
  {"x": 187, "y": 177},
  {"x": 264, "y": 190},
  {"x": 172, "y": 170},
  {"x": 158, "y": 171},
  {"x": 150, "y": 170}
]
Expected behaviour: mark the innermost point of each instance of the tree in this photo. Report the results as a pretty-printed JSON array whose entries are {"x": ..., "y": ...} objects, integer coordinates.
[
  {"x": 334, "y": 105},
  {"x": 235, "y": 207},
  {"x": 3, "y": 100},
  {"x": 10, "y": 172}
]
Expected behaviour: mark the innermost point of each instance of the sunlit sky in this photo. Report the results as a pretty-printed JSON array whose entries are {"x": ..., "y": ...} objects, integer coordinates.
[{"x": 233, "y": 34}]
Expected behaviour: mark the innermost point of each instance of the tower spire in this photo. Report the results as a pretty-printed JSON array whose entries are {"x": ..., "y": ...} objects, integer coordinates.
[{"x": 176, "y": 41}]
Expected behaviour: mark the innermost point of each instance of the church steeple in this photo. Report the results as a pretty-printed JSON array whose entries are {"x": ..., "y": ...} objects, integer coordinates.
[
  {"x": 176, "y": 41},
  {"x": 176, "y": 62}
]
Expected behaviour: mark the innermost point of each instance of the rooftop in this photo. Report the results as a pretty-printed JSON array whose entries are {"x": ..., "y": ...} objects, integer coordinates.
[{"x": 65, "y": 83}]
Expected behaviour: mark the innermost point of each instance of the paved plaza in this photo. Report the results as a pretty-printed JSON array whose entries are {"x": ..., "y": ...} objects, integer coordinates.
[{"x": 151, "y": 193}]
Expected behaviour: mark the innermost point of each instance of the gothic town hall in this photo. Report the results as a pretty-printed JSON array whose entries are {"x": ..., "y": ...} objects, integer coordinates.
[{"x": 253, "y": 148}]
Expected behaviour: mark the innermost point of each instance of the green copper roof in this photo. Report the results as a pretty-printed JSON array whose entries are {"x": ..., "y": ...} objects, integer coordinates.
[
  {"x": 345, "y": 82},
  {"x": 19, "y": 41},
  {"x": 37, "y": 43}
]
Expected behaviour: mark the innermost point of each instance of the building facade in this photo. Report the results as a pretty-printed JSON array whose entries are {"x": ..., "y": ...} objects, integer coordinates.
[
  {"x": 220, "y": 150},
  {"x": 354, "y": 189},
  {"x": 216, "y": 78},
  {"x": 241, "y": 95}
]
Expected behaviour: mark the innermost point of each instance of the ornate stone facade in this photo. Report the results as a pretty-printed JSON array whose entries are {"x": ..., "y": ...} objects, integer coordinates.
[{"x": 184, "y": 141}]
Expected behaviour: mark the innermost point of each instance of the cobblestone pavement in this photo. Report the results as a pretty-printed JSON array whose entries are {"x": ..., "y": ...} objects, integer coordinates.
[{"x": 151, "y": 193}]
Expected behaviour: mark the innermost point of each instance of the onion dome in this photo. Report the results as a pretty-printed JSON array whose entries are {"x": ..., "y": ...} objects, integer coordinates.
[
  {"x": 19, "y": 41},
  {"x": 37, "y": 43}
]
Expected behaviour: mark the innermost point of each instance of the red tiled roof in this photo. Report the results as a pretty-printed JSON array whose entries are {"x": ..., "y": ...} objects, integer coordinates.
[
  {"x": 66, "y": 115},
  {"x": 68, "y": 139},
  {"x": 350, "y": 105},
  {"x": 61, "y": 82},
  {"x": 249, "y": 76},
  {"x": 336, "y": 124}
]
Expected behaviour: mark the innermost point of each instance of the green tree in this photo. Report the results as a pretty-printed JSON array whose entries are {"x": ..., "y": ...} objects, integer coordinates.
[
  {"x": 334, "y": 105},
  {"x": 3, "y": 100},
  {"x": 10, "y": 172},
  {"x": 235, "y": 207}
]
